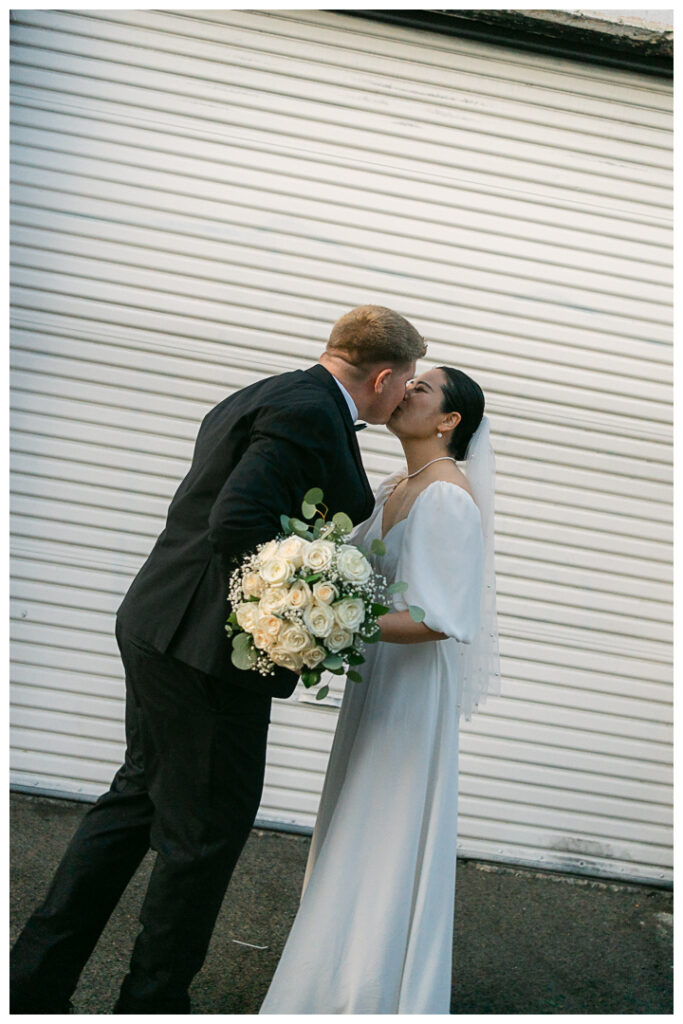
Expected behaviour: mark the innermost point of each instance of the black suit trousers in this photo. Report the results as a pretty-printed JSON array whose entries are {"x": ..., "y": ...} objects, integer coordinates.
[{"x": 189, "y": 788}]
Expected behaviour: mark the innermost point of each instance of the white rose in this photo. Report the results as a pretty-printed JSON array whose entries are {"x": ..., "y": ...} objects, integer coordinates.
[
  {"x": 252, "y": 585},
  {"x": 262, "y": 638},
  {"x": 277, "y": 571},
  {"x": 325, "y": 592},
  {"x": 338, "y": 639},
  {"x": 353, "y": 565},
  {"x": 247, "y": 615},
  {"x": 313, "y": 656},
  {"x": 274, "y": 600},
  {"x": 294, "y": 638},
  {"x": 299, "y": 595},
  {"x": 267, "y": 552},
  {"x": 270, "y": 625},
  {"x": 294, "y": 662},
  {"x": 319, "y": 554},
  {"x": 319, "y": 619},
  {"x": 349, "y": 613},
  {"x": 292, "y": 549}
]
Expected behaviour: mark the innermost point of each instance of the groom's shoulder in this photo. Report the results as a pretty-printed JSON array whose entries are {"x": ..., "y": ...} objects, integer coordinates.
[
  {"x": 293, "y": 388},
  {"x": 273, "y": 386},
  {"x": 289, "y": 392},
  {"x": 297, "y": 403}
]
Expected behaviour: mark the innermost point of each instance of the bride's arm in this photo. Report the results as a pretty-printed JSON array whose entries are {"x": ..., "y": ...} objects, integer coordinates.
[
  {"x": 441, "y": 559},
  {"x": 400, "y": 628}
]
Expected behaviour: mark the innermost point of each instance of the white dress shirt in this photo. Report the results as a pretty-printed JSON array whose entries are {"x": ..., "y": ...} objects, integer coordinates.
[{"x": 349, "y": 401}]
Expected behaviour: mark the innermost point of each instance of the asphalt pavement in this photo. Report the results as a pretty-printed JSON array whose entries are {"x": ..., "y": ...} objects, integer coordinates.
[{"x": 526, "y": 941}]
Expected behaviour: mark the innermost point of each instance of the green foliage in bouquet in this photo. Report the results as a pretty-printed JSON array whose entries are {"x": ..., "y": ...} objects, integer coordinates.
[{"x": 368, "y": 593}]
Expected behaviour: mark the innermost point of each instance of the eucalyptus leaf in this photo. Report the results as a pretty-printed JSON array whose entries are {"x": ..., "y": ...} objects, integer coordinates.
[
  {"x": 314, "y": 496},
  {"x": 322, "y": 693},
  {"x": 378, "y": 547},
  {"x": 242, "y": 640},
  {"x": 355, "y": 677},
  {"x": 397, "y": 588},
  {"x": 342, "y": 522},
  {"x": 300, "y": 529},
  {"x": 284, "y": 520},
  {"x": 317, "y": 527},
  {"x": 307, "y": 510},
  {"x": 243, "y": 658},
  {"x": 416, "y": 613},
  {"x": 333, "y": 661}
]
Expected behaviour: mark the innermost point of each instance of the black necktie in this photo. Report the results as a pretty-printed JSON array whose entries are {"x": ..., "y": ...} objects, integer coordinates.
[{"x": 359, "y": 426}]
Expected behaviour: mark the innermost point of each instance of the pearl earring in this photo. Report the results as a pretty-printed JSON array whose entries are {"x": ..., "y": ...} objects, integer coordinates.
[{"x": 439, "y": 434}]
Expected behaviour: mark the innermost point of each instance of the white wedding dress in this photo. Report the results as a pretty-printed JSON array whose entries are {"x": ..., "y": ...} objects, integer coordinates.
[{"x": 374, "y": 930}]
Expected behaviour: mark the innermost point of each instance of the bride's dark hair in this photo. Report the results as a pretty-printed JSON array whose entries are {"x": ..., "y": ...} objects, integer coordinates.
[{"x": 461, "y": 394}]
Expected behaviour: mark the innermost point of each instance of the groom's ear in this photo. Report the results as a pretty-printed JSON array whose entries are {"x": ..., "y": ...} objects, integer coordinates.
[{"x": 382, "y": 379}]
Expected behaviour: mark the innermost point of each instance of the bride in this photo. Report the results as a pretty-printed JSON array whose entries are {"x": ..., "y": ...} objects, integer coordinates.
[{"x": 374, "y": 930}]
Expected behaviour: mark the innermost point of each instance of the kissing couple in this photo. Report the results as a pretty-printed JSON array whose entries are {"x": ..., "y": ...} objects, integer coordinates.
[{"x": 374, "y": 929}]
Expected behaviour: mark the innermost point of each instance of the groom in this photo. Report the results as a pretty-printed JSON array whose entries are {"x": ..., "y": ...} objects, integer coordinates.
[{"x": 196, "y": 726}]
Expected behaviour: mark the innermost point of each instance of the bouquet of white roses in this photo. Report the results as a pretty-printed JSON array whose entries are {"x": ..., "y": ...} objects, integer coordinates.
[{"x": 307, "y": 600}]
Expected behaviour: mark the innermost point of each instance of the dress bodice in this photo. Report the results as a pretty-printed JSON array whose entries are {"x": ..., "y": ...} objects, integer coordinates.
[
  {"x": 371, "y": 529},
  {"x": 388, "y": 562}
]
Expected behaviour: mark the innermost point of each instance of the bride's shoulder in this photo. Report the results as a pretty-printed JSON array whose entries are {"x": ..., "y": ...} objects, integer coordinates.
[
  {"x": 450, "y": 474},
  {"x": 387, "y": 485}
]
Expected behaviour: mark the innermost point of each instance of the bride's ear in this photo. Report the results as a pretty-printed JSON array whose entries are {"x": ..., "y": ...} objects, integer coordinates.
[{"x": 450, "y": 421}]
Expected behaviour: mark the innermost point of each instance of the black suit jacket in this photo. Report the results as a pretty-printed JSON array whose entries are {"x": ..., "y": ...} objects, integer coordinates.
[{"x": 256, "y": 455}]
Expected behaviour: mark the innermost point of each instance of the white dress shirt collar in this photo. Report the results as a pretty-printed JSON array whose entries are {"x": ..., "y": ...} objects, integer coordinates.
[{"x": 349, "y": 400}]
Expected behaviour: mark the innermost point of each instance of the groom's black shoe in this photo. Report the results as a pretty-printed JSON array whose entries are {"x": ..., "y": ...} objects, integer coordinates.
[{"x": 141, "y": 996}]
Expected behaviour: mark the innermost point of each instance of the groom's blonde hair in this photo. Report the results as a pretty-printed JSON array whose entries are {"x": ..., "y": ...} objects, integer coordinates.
[{"x": 374, "y": 334}]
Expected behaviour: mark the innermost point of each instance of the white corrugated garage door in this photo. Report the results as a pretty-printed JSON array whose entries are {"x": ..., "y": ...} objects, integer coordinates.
[{"x": 196, "y": 198}]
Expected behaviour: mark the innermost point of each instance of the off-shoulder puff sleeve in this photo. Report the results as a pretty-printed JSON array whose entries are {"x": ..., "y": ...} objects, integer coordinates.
[{"x": 441, "y": 560}]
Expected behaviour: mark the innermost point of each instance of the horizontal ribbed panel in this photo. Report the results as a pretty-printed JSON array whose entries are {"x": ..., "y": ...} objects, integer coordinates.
[{"x": 196, "y": 197}]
